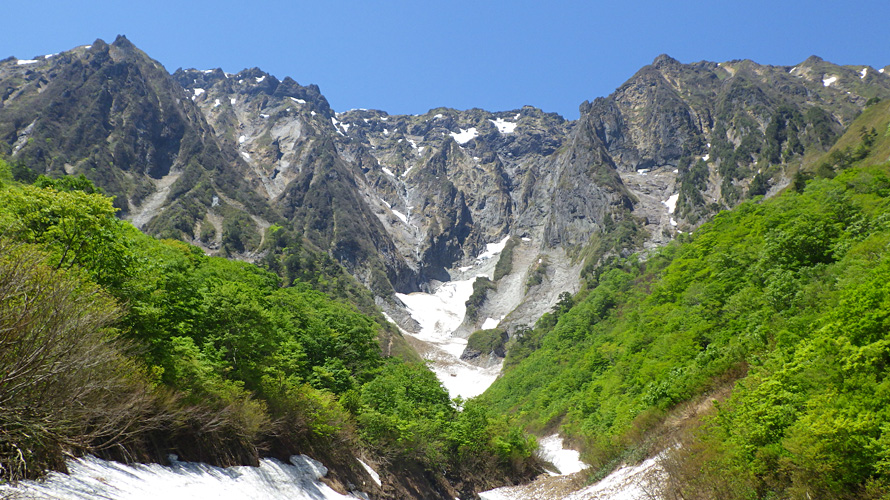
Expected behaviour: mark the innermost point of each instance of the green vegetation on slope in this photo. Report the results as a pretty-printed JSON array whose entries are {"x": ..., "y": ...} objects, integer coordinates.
[
  {"x": 786, "y": 296},
  {"x": 156, "y": 348},
  {"x": 505, "y": 260}
]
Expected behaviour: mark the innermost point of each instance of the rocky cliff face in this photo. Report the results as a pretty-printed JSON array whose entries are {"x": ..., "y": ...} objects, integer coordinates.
[
  {"x": 217, "y": 158},
  {"x": 111, "y": 113},
  {"x": 726, "y": 131}
]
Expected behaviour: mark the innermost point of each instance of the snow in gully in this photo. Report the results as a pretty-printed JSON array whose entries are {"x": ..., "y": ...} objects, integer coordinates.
[{"x": 439, "y": 315}]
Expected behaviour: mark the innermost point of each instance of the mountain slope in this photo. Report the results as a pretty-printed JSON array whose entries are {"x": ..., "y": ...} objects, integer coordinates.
[
  {"x": 777, "y": 309},
  {"x": 111, "y": 113}
]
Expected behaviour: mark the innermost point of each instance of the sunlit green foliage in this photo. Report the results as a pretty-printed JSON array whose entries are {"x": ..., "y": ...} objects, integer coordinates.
[{"x": 789, "y": 295}]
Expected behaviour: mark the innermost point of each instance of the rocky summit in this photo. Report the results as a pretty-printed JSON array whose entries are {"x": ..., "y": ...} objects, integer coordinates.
[{"x": 221, "y": 160}]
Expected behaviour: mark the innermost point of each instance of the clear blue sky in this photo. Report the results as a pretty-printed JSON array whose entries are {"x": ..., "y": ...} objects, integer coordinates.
[{"x": 410, "y": 56}]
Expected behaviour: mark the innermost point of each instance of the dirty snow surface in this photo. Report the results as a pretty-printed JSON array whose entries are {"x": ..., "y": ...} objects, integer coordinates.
[
  {"x": 630, "y": 482},
  {"x": 92, "y": 478}
]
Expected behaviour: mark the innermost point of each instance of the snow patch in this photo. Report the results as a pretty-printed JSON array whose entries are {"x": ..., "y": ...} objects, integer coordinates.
[
  {"x": 441, "y": 312},
  {"x": 493, "y": 249},
  {"x": 567, "y": 461},
  {"x": 197, "y": 93},
  {"x": 232, "y": 101},
  {"x": 22, "y": 62},
  {"x": 864, "y": 72},
  {"x": 706, "y": 157},
  {"x": 402, "y": 217},
  {"x": 245, "y": 156},
  {"x": 627, "y": 483},
  {"x": 387, "y": 171},
  {"x": 437, "y": 116},
  {"x": 242, "y": 139},
  {"x": 464, "y": 136},
  {"x": 263, "y": 115},
  {"x": 260, "y": 79},
  {"x": 828, "y": 81},
  {"x": 490, "y": 323},
  {"x": 298, "y": 101},
  {"x": 216, "y": 103},
  {"x": 504, "y": 126},
  {"x": 90, "y": 477},
  {"x": 526, "y": 239},
  {"x": 372, "y": 472},
  {"x": 313, "y": 113},
  {"x": 881, "y": 70},
  {"x": 405, "y": 173},
  {"x": 671, "y": 202},
  {"x": 673, "y": 222}
]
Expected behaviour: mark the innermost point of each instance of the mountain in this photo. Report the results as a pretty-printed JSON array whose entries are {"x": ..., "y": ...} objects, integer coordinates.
[
  {"x": 220, "y": 159},
  {"x": 750, "y": 358},
  {"x": 773, "y": 307}
]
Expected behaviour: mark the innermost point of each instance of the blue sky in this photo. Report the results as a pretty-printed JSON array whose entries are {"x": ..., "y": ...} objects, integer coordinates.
[{"x": 410, "y": 56}]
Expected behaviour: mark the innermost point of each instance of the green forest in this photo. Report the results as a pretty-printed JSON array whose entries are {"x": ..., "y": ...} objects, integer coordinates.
[
  {"x": 129, "y": 347},
  {"x": 754, "y": 352}
]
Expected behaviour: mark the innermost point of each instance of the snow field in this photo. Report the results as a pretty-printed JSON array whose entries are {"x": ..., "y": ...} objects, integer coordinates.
[
  {"x": 439, "y": 314},
  {"x": 91, "y": 478}
]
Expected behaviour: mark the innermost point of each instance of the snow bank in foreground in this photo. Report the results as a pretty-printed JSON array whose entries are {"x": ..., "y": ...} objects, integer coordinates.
[{"x": 92, "y": 478}]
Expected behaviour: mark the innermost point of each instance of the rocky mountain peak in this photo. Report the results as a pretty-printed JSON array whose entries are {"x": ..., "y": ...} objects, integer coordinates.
[
  {"x": 664, "y": 60},
  {"x": 121, "y": 42}
]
